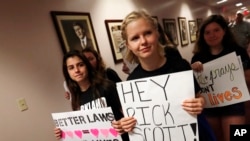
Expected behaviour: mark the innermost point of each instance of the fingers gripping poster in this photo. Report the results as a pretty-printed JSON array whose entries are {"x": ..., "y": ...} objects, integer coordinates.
[
  {"x": 222, "y": 82},
  {"x": 156, "y": 104},
  {"x": 88, "y": 125}
]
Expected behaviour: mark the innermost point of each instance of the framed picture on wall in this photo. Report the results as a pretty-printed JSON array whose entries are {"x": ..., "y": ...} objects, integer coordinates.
[
  {"x": 192, "y": 30},
  {"x": 115, "y": 38},
  {"x": 183, "y": 30},
  {"x": 170, "y": 29},
  {"x": 75, "y": 30}
]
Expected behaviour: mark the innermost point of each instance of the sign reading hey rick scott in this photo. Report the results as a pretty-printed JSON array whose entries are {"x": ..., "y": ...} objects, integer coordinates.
[
  {"x": 156, "y": 104},
  {"x": 222, "y": 82},
  {"x": 89, "y": 125}
]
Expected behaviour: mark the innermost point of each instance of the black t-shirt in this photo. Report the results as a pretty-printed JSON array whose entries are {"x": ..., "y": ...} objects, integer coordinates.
[
  {"x": 206, "y": 57},
  {"x": 172, "y": 52},
  {"x": 169, "y": 67},
  {"x": 112, "y": 75},
  {"x": 172, "y": 65},
  {"x": 108, "y": 98}
]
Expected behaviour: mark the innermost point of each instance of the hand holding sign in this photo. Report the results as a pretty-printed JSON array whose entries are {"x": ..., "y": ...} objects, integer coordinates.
[
  {"x": 155, "y": 103},
  {"x": 222, "y": 82},
  {"x": 193, "y": 106},
  {"x": 197, "y": 66},
  {"x": 79, "y": 125},
  {"x": 58, "y": 133},
  {"x": 117, "y": 126},
  {"x": 128, "y": 123}
]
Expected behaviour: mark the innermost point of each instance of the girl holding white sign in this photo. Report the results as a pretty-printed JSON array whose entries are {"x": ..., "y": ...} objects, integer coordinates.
[
  {"x": 89, "y": 90},
  {"x": 98, "y": 64},
  {"x": 139, "y": 30},
  {"x": 216, "y": 40}
]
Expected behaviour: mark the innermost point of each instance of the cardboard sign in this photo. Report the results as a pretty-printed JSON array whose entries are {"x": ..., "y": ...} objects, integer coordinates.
[
  {"x": 88, "y": 125},
  {"x": 223, "y": 82},
  {"x": 156, "y": 104}
]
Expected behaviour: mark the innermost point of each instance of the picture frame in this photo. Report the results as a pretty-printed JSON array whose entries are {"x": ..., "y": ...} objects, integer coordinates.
[
  {"x": 71, "y": 28},
  {"x": 113, "y": 27},
  {"x": 170, "y": 29},
  {"x": 192, "y": 25},
  {"x": 183, "y": 30}
]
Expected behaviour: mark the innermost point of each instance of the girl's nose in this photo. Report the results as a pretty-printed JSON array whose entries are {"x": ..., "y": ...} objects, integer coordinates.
[
  {"x": 212, "y": 34},
  {"x": 143, "y": 39},
  {"x": 76, "y": 69}
]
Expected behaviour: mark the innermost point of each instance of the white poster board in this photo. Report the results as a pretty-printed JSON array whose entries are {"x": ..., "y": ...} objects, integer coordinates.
[
  {"x": 156, "y": 104},
  {"x": 86, "y": 125},
  {"x": 223, "y": 82}
]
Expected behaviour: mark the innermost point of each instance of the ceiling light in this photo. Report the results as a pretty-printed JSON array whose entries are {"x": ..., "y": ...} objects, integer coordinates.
[
  {"x": 219, "y": 2},
  {"x": 243, "y": 8},
  {"x": 238, "y": 4}
]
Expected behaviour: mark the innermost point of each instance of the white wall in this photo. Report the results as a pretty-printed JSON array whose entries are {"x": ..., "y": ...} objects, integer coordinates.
[{"x": 30, "y": 56}]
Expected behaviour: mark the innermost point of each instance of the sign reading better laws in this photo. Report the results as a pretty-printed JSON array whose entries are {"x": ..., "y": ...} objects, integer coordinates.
[
  {"x": 87, "y": 125},
  {"x": 156, "y": 104},
  {"x": 223, "y": 82}
]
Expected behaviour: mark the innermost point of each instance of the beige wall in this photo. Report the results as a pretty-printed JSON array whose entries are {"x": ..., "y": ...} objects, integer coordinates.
[{"x": 30, "y": 56}]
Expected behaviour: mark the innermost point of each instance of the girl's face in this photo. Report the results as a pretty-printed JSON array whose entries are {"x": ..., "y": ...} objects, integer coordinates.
[
  {"x": 92, "y": 59},
  {"x": 77, "y": 69},
  {"x": 214, "y": 34},
  {"x": 142, "y": 38}
]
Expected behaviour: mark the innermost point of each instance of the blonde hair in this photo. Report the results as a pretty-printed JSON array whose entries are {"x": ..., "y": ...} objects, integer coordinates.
[{"x": 133, "y": 16}]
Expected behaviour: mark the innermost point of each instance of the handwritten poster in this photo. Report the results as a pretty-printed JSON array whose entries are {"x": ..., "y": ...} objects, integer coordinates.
[
  {"x": 156, "y": 104},
  {"x": 223, "y": 82},
  {"x": 88, "y": 125}
]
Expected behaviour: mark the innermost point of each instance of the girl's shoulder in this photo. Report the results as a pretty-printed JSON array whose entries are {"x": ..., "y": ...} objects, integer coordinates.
[
  {"x": 197, "y": 57},
  {"x": 112, "y": 75},
  {"x": 178, "y": 64}
]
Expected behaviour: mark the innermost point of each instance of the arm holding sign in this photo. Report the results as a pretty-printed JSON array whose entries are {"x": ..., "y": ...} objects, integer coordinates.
[
  {"x": 67, "y": 95},
  {"x": 194, "y": 106},
  {"x": 197, "y": 66},
  {"x": 117, "y": 125},
  {"x": 126, "y": 124},
  {"x": 58, "y": 133}
]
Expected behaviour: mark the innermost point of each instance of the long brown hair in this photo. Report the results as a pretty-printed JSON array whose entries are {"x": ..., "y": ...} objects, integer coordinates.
[
  {"x": 95, "y": 79},
  {"x": 100, "y": 65}
]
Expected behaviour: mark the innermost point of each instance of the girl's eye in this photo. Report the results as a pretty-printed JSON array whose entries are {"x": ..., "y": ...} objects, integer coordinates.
[
  {"x": 90, "y": 58},
  {"x": 206, "y": 33},
  {"x": 148, "y": 33},
  {"x": 70, "y": 67},
  {"x": 134, "y": 38},
  {"x": 81, "y": 64}
]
